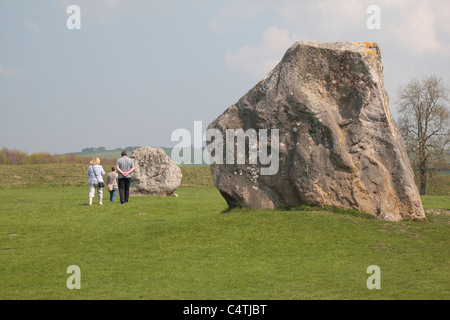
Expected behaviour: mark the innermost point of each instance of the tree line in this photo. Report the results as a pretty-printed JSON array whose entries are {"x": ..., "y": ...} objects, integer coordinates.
[{"x": 16, "y": 157}]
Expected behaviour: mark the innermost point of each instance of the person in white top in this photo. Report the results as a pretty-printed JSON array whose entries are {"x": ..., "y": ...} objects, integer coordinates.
[{"x": 96, "y": 174}]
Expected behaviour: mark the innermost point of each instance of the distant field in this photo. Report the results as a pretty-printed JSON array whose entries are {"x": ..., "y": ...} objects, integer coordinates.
[
  {"x": 109, "y": 154},
  {"x": 114, "y": 154},
  {"x": 63, "y": 174}
]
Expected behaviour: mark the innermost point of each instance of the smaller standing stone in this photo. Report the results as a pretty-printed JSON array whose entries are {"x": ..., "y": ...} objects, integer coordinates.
[{"x": 155, "y": 175}]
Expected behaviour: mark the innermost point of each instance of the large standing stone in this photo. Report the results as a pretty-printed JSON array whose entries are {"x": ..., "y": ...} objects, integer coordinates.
[
  {"x": 155, "y": 174},
  {"x": 338, "y": 143}
]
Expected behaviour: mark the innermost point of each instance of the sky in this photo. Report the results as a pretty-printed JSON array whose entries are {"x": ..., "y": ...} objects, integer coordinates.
[{"x": 137, "y": 70}]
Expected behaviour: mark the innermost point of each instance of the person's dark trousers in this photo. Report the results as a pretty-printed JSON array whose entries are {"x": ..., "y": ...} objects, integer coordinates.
[{"x": 124, "y": 189}]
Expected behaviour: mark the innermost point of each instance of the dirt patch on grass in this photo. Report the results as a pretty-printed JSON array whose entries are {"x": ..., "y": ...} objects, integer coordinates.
[{"x": 438, "y": 212}]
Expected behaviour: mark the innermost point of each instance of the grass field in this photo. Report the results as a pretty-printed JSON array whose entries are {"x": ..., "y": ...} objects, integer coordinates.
[
  {"x": 67, "y": 174},
  {"x": 192, "y": 247}
]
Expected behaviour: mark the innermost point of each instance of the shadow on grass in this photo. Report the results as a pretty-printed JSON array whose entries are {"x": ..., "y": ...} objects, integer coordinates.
[
  {"x": 312, "y": 208},
  {"x": 308, "y": 208}
]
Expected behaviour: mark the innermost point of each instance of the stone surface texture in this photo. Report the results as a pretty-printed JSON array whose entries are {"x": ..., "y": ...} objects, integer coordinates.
[
  {"x": 338, "y": 143},
  {"x": 155, "y": 174}
]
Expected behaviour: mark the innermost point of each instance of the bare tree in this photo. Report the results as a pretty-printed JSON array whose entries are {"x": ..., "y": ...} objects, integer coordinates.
[{"x": 424, "y": 125}]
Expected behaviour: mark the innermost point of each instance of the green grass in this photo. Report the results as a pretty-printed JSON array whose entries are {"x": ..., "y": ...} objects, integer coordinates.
[
  {"x": 192, "y": 247},
  {"x": 436, "y": 202}
]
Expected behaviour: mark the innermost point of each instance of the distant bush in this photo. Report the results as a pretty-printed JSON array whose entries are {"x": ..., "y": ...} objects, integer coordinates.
[{"x": 15, "y": 157}]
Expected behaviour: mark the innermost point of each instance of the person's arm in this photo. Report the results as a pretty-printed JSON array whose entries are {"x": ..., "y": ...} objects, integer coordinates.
[
  {"x": 118, "y": 169},
  {"x": 131, "y": 169}
]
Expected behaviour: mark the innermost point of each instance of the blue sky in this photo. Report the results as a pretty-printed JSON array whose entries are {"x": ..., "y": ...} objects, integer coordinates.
[{"x": 139, "y": 69}]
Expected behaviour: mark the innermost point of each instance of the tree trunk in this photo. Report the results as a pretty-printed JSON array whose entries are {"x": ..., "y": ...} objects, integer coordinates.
[{"x": 423, "y": 182}]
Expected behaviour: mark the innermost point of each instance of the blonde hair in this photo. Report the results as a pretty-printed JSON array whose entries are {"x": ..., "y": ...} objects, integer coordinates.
[{"x": 95, "y": 161}]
